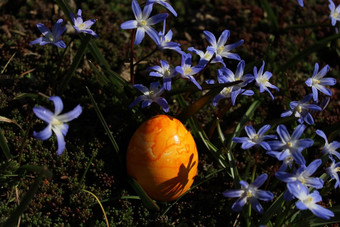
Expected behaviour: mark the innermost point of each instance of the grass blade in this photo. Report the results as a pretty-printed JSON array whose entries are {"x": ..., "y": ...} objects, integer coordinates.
[
  {"x": 76, "y": 60},
  {"x": 13, "y": 219},
  {"x": 106, "y": 127},
  {"x": 4, "y": 146},
  {"x": 146, "y": 200}
]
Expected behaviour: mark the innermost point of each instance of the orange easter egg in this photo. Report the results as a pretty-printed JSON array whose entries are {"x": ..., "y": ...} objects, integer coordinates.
[{"x": 162, "y": 157}]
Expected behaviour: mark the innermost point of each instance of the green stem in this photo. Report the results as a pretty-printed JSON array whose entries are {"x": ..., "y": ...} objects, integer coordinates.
[{"x": 132, "y": 73}]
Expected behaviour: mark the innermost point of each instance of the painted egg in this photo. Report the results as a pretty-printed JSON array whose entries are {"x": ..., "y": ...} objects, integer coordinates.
[{"x": 162, "y": 157}]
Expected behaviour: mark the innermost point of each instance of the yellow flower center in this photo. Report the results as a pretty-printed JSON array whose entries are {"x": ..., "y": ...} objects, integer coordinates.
[
  {"x": 299, "y": 109},
  {"x": 50, "y": 37},
  {"x": 263, "y": 80},
  {"x": 220, "y": 49},
  {"x": 187, "y": 71},
  {"x": 81, "y": 26},
  {"x": 289, "y": 144},
  {"x": 255, "y": 136},
  {"x": 226, "y": 90},
  {"x": 249, "y": 193},
  {"x": 142, "y": 23},
  {"x": 315, "y": 81},
  {"x": 207, "y": 56},
  {"x": 56, "y": 122}
]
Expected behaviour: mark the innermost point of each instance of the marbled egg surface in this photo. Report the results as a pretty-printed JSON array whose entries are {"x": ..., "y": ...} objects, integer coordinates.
[{"x": 162, "y": 157}]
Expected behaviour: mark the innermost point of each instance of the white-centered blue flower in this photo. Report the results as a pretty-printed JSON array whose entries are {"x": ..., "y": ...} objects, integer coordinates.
[
  {"x": 335, "y": 12},
  {"x": 329, "y": 148},
  {"x": 262, "y": 80},
  {"x": 302, "y": 109},
  {"x": 187, "y": 71},
  {"x": 225, "y": 75},
  {"x": 164, "y": 41},
  {"x": 250, "y": 193},
  {"x": 165, "y": 72},
  {"x": 303, "y": 175},
  {"x": 332, "y": 171},
  {"x": 51, "y": 37},
  {"x": 290, "y": 145},
  {"x": 255, "y": 139},
  {"x": 83, "y": 26},
  {"x": 309, "y": 200},
  {"x": 205, "y": 57},
  {"x": 221, "y": 50},
  {"x": 56, "y": 121},
  {"x": 150, "y": 96},
  {"x": 143, "y": 22},
  {"x": 318, "y": 82}
]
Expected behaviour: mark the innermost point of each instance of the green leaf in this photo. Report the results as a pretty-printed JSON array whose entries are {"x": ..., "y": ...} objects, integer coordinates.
[
  {"x": 76, "y": 60},
  {"x": 13, "y": 219},
  {"x": 276, "y": 205},
  {"x": 4, "y": 146},
  {"x": 146, "y": 200},
  {"x": 196, "y": 106},
  {"x": 245, "y": 118},
  {"x": 271, "y": 15},
  {"x": 106, "y": 127}
]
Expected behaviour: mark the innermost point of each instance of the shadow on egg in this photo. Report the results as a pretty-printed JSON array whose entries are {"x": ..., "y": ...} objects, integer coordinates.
[{"x": 176, "y": 186}]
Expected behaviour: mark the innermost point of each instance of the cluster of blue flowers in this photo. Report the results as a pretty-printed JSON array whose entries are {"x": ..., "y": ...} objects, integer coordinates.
[
  {"x": 288, "y": 149},
  {"x": 214, "y": 53},
  {"x": 57, "y": 122},
  {"x": 285, "y": 147},
  {"x": 58, "y": 29}
]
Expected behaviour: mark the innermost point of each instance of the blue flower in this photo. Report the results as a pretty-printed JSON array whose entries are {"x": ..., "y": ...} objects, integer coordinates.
[
  {"x": 255, "y": 138},
  {"x": 150, "y": 96},
  {"x": 303, "y": 175},
  {"x": 143, "y": 22},
  {"x": 329, "y": 148},
  {"x": 302, "y": 109},
  {"x": 225, "y": 75},
  {"x": 205, "y": 57},
  {"x": 251, "y": 193},
  {"x": 262, "y": 80},
  {"x": 290, "y": 145},
  {"x": 51, "y": 37},
  {"x": 163, "y": 71},
  {"x": 187, "y": 71},
  {"x": 220, "y": 49},
  {"x": 335, "y": 12},
  {"x": 332, "y": 171},
  {"x": 300, "y": 2},
  {"x": 164, "y": 41},
  {"x": 81, "y": 26},
  {"x": 309, "y": 200},
  {"x": 317, "y": 82},
  {"x": 163, "y": 3},
  {"x": 55, "y": 121}
]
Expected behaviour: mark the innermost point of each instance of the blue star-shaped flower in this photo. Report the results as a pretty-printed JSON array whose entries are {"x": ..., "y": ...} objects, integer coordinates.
[
  {"x": 143, "y": 22},
  {"x": 250, "y": 193},
  {"x": 56, "y": 121},
  {"x": 51, "y": 37},
  {"x": 83, "y": 26}
]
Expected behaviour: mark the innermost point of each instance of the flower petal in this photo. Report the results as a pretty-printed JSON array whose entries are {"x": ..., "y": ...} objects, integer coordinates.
[
  {"x": 43, "y": 113},
  {"x": 69, "y": 116},
  {"x": 44, "y": 134},
  {"x": 258, "y": 182}
]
